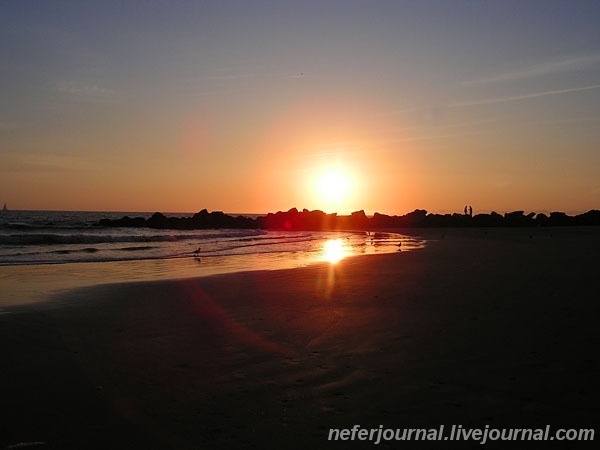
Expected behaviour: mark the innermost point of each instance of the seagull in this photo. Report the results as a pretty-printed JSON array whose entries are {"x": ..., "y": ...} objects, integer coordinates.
[{"x": 196, "y": 252}]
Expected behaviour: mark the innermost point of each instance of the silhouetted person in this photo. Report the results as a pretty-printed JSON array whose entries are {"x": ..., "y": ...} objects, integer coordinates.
[
  {"x": 470, "y": 211},
  {"x": 466, "y": 209}
]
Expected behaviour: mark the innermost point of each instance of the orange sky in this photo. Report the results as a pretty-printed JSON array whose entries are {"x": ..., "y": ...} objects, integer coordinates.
[{"x": 247, "y": 110}]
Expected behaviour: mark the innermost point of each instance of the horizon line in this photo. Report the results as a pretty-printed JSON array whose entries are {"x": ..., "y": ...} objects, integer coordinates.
[{"x": 440, "y": 212}]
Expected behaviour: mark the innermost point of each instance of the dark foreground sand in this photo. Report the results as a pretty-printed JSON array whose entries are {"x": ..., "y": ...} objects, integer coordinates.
[{"x": 481, "y": 327}]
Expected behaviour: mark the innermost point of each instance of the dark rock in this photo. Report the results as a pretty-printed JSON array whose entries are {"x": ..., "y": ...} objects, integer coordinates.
[
  {"x": 560, "y": 219},
  {"x": 591, "y": 217},
  {"x": 541, "y": 220},
  {"x": 358, "y": 220},
  {"x": 125, "y": 221},
  {"x": 157, "y": 220},
  {"x": 518, "y": 219}
]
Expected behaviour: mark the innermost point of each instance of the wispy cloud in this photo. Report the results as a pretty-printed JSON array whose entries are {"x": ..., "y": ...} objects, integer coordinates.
[
  {"x": 241, "y": 76},
  {"x": 512, "y": 98},
  {"x": 237, "y": 76},
  {"x": 569, "y": 120},
  {"x": 564, "y": 65},
  {"x": 428, "y": 137},
  {"x": 41, "y": 162},
  {"x": 490, "y": 101},
  {"x": 85, "y": 91}
]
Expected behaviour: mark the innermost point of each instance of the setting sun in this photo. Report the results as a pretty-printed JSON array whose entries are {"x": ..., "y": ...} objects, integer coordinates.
[
  {"x": 333, "y": 189},
  {"x": 333, "y": 185}
]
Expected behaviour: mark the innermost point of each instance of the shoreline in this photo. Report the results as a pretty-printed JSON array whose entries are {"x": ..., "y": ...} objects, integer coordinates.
[
  {"x": 473, "y": 329},
  {"x": 33, "y": 283}
]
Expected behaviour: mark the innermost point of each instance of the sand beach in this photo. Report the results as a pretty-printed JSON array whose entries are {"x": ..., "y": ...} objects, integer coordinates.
[{"x": 481, "y": 327}]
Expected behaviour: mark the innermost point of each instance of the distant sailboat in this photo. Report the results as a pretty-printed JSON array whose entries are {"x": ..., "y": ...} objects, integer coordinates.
[{"x": 5, "y": 208}]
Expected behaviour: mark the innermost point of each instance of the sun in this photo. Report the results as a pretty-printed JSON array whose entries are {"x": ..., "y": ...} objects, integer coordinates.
[
  {"x": 333, "y": 189},
  {"x": 333, "y": 185}
]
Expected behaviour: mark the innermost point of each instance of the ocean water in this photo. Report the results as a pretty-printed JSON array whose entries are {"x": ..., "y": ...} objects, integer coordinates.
[{"x": 42, "y": 252}]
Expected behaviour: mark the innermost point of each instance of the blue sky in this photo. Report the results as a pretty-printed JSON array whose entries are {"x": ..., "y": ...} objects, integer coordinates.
[{"x": 239, "y": 105}]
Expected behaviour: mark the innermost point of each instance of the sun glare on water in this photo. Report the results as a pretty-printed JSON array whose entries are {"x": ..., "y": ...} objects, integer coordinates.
[{"x": 334, "y": 250}]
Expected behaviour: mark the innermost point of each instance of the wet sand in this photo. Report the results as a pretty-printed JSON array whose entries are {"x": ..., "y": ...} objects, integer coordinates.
[{"x": 482, "y": 327}]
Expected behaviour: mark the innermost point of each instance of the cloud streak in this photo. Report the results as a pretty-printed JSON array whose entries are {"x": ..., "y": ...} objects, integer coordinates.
[
  {"x": 241, "y": 76},
  {"x": 85, "y": 91},
  {"x": 41, "y": 162},
  {"x": 491, "y": 101},
  {"x": 513, "y": 98},
  {"x": 538, "y": 70}
]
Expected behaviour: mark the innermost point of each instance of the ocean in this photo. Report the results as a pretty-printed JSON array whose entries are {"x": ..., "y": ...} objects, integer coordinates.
[{"x": 48, "y": 250}]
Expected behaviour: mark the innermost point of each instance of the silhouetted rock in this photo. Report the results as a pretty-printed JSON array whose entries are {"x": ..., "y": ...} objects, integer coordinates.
[
  {"x": 201, "y": 215},
  {"x": 157, "y": 220},
  {"x": 560, "y": 219},
  {"x": 381, "y": 221},
  {"x": 591, "y": 217},
  {"x": 416, "y": 218},
  {"x": 438, "y": 220},
  {"x": 541, "y": 220},
  {"x": 518, "y": 219},
  {"x": 487, "y": 220},
  {"x": 358, "y": 220},
  {"x": 305, "y": 220},
  {"x": 218, "y": 219},
  {"x": 125, "y": 221}
]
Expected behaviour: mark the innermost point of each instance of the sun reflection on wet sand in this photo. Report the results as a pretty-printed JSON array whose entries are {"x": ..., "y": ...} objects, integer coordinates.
[
  {"x": 334, "y": 250},
  {"x": 23, "y": 284}
]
